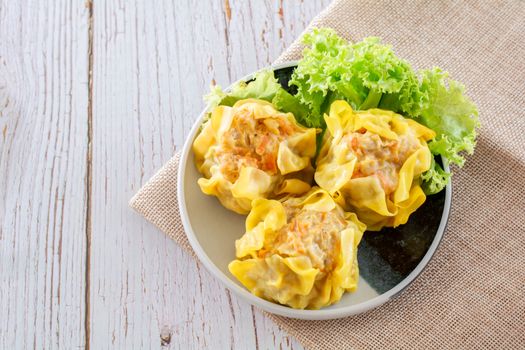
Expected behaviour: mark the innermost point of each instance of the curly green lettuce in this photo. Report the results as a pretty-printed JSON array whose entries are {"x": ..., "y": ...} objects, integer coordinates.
[
  {"x": 360, "y": 73},
  {"x": 263, "y": 86},
  {"x": 450, "y": 113},
  {"x": 435, "y": 179},
  {"x": 368, "y": 74}
]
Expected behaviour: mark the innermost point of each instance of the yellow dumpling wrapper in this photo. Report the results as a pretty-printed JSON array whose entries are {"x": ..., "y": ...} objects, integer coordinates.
[
  {"x": 250, "y": 151},
  {"x": 299, "y": 251},
  {"x": 371, "y": 162}
]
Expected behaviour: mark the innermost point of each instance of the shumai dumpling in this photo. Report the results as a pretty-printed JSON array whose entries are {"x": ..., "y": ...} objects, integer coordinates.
[
  {"x": 370, "y": 161},
  {"x": 299, "y": 251},
  {"x": 252, "y": 151}
]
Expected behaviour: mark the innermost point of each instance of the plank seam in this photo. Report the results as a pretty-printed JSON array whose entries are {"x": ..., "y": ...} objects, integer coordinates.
[{"x": 89, "y": 171}]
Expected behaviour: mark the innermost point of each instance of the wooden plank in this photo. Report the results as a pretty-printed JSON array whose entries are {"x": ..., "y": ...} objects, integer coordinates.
[
  {"x": 43, "y": 142},
  {"x": 152, "y": 64}
]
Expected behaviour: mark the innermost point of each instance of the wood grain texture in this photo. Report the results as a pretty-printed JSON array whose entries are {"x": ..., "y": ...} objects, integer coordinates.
[
  {"x": 43, "y": 109},
  {"x": 75, "y": 148}
]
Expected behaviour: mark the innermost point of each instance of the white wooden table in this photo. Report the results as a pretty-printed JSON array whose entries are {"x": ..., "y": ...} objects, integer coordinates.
[{"x": 94, "y": 97}]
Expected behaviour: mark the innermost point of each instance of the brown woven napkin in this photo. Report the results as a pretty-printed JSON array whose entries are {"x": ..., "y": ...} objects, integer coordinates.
[{"x": 472, "y": 295}]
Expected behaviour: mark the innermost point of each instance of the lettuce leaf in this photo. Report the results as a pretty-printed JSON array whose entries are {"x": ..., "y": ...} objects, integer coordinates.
[
  {"x": 435, "y": 179},
  {"x": 322, "y": 70},
  {"x": 451, "y": 114},
  {"x": 368, "y": 74},
  {"x": 264, "y": 86},
  {"x": 410, "y": 100},
  {"x": 214, "y": 97},
  {"x": 378, "y": 68},
  {"x": 286, "y": 102},
  {"x": 359, "y": 73}
]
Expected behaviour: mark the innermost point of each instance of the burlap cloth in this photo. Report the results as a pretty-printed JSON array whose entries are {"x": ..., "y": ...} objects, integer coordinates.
[{"x": 472, "y": 294}]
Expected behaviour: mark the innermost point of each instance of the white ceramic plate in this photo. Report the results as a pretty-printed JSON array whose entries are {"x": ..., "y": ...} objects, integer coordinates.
[{"x": 388, "y": 261}]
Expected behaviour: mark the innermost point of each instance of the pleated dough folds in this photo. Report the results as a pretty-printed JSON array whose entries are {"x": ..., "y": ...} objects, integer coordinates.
[
  {"x": 299, "y": 251},
  {"x": 370, "y": 162},
  {"x": 250, "y": 151}
]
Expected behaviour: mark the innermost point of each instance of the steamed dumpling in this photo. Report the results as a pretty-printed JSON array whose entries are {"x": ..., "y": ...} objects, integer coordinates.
[
  {"x": 252, "y": 151},
  {"x": 300, "y": 251},
  {"x": 370, "y": 161}
]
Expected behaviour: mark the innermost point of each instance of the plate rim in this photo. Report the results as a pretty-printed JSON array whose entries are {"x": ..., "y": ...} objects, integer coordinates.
[{"x": 274, "y": 308}]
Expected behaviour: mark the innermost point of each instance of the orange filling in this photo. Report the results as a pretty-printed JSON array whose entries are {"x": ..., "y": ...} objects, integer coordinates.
[
  {"x": 380, "y": 157},
  {"x": 252, "y": 142},
  {"x": 308, "y": 233}
]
